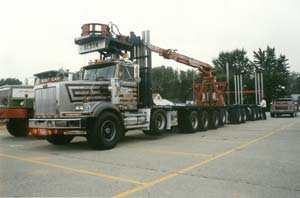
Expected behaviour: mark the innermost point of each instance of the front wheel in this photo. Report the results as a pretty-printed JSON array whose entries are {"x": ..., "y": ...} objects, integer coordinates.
[
  {"x": 60, "y": 139},
  {"x": 105, "y": 132},
  {"x": 18, "y": 127}
]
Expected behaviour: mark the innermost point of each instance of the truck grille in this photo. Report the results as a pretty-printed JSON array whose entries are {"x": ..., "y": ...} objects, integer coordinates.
[
  {"x": 45, "y": 101},
  {"x": 281, "y": 108}
]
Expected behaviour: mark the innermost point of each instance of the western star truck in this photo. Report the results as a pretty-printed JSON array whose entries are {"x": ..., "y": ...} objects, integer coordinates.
[{"x": 115, "y": 95}]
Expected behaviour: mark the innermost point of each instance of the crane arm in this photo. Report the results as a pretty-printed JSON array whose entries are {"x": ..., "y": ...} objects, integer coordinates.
[{"x": 180, "y": 58}]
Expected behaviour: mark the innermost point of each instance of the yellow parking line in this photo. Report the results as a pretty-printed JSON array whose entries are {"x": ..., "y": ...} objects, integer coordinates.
[
  {"x": 221, "y": 140},
  {"x": 81, "y": 171},
  {"x": 169, "y": 152},
  {"x": 187, "y": 169}
]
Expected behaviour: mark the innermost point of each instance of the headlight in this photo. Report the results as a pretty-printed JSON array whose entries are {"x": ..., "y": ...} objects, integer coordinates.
[
  {"x": 79, "y": 107},
  {"x": 50, "y": 124}
]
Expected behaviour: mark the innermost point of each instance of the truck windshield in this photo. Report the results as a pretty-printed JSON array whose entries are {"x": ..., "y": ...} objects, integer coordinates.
[{"x": 100, "y": 73}]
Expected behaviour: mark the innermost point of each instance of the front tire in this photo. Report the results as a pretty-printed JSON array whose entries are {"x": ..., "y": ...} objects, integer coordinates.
[
  {"x": 18, "y": 127},
  {"x": 106, "y": 131},
  {"x": 60, "y": 139}
]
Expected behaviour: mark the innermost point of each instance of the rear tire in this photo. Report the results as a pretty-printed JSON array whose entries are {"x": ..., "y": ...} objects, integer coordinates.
[
  {"x": 235, "y": 115},
  {"x": 272, "y": 115},
  {"x": 214, "y": 120},
  {"x": 190, "y": 123},
  {"x": 203, "y": 121},
  {"x": 222, "y": 117},
  {"x": 248, "y": 114},
  {"x": 60, "y": 139},
  {"x": 105, "y": 132},
  {"x": 18, "y": 127},
  {"x": 158, "y": 123},
  {"x": 243, "y": 115}
]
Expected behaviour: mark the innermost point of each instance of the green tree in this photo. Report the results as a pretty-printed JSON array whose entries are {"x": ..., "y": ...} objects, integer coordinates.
[
  {"x": 294, "y": 83},
  {"x": 165, "y": 81},
  {"x": 187, "y": 78},
  {"x": 238, "y": 63},
  {"x": 10, "y": 81},
  {"x": 275, "y": 71}
]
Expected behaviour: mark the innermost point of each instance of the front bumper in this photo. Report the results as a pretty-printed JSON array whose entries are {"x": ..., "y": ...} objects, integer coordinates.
[
  {"x": 46, "y": 127},
  {"x": 282, "y": 111}
]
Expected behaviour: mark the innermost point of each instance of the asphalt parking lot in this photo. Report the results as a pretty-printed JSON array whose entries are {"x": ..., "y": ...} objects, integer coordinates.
[{"x": 256, "y": 159}]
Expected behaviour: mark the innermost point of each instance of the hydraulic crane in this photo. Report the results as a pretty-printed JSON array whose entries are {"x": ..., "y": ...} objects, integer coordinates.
[{"x": 209, "y": 92}]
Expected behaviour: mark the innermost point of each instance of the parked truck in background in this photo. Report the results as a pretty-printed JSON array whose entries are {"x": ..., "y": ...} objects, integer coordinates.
[
  {"x": 281, "y": 106},
  {"x": 16, "y": 107},
  {"x": 115, "y": 95},
  {"x": 16, "y": 101}
]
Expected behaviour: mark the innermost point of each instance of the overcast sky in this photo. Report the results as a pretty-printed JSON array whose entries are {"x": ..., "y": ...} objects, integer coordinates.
[{"x": 39, "y": 35}]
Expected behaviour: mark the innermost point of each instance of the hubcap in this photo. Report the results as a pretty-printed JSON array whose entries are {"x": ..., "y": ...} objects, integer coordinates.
[
  {"x": 160, "y": 122},
  {"x": 195, "y": 122},
  {"x": 205, "y": 123},
  {"x": 224, "y": 118},
  {"x": 216, "y": 122},
  {"x": 108, "y": 130}
]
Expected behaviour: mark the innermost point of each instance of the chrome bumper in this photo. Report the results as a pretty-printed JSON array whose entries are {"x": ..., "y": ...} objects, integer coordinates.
[{"x": 66, "y": 124}]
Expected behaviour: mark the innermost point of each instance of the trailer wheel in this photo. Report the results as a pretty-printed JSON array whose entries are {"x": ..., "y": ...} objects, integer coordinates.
[
  {"x": 260, "y": 113},
  {"x": 248, "y": 113},
  {"x": 243, "y": 115},
  {"x": 253, "y": 113},
  {"x": 256, "y": 113},
  {"x": 18, "y": 127},
  {"x": 214, "y": 120},
  {"x": 190, "y": 122},
  {"x": 105, "y": 132},
  {"x": 237, "y": 116},
  {"x": 60, "y": 139},
  {"x": 222, "y": 117},
  {"x": 158, "y": 123},
  {"x": 204, "y": 123}
]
